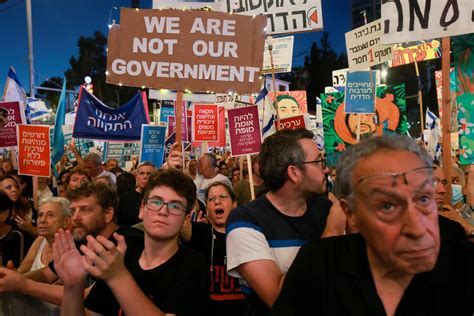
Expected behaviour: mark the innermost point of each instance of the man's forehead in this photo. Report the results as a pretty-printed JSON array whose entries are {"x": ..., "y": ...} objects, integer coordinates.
[
  {"x": 84, "y": 201},
  {"x": 166, "y": 193},
  {"x": 49, "y": 207}
]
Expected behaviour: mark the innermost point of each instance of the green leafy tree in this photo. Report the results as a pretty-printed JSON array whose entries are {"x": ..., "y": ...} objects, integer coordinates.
[{"x": 51, "y": 98}]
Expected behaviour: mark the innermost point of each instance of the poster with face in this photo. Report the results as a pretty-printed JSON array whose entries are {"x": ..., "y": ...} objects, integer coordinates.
[
  {"x": 340, "y": 128},
  {"x": 289, "y": 103}
]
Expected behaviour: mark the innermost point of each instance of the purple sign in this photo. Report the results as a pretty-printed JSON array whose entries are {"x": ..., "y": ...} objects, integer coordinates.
[
  {"x": 186, "y": 131},
  {"x": 244, "y": 130},
  {"x": 10, "y": 117}
]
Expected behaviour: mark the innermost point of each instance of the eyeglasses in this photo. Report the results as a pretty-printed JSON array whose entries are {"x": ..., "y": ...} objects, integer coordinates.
[
  {"x": 156, "y": 204},
  {"x": 414, "y": 176},
  {"x": 322, "y": 161},
  {"x": 221, "y": 196}
]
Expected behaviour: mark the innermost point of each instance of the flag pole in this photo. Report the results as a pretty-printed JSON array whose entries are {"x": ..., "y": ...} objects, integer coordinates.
[{"x": 446, "y": 129}]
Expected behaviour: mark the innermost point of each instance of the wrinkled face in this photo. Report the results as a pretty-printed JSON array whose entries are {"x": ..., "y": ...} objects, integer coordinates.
[
  {"x": 142, "y": 176},
  {"x": 397, "y": 216},
  {"x": 160, "y": 224},
  {"x": 87, "y": 217},
  {"x": 11, "y": 189},
  {"x": 50, "y": 219},
  {"x": 218, "y": 206},
  {"x": 76, "y": 180},
  {"x": 288, "y": 108},
  {"x": 91, "y": 168},
  {"x": 314, "y": 181},
  {"x": 440, "y": 187}
]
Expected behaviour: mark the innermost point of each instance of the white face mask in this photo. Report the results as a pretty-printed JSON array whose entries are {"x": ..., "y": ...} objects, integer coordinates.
[{"x": 457, "y": 195}]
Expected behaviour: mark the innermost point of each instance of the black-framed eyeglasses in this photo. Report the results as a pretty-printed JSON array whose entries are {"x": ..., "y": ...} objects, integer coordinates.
[
  {"x": 156, "y": 204},
  {"x": 322, "y": 161},
  {"x": 221, "y": 196}
]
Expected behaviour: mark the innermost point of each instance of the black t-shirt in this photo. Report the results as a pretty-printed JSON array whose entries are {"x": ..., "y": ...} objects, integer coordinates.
[
  {"x": 225, "y": 293},
  {"x": 10, "y": 245},
  {"x": 178, "y": 286},
  {"x": 129, "y": 208}
]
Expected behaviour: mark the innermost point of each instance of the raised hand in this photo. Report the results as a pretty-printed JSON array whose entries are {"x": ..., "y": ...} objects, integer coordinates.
[
  {"x": 102, "y": 258},
  {"x": 67, "y": 260}
]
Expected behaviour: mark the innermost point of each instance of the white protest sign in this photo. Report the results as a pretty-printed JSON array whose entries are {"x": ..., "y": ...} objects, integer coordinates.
[
  {"x": 282, "y": 54},
  {"x": 174, "y": 4},
  {"x": 413, "y": 20},
  {"x": 339, "y": 77},
  {"x": 364, "y": 47},
  {"x": 283, "y": 16}
]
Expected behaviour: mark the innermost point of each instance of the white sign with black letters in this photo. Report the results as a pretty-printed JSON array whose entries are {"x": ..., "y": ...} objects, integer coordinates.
[
  {"x": 414, "y": 20},
  {"x": 282, "y": 54}
]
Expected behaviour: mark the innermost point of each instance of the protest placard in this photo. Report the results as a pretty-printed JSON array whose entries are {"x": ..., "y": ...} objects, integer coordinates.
[
  {"x": 291, "y": 123},
  {"x": 187, "y": 50},
  {"x": 122, "y": 152},
  {"x": 360, "y": 92},
  {"x": 205, "y": 123},
  {"x": 404, "y": 54},
  {"x": 83, "y": 146},
  {"x": 282, "y": 54},
  {"x": 283, "y": 16},
  {"x": 415, "y": 20},
  {"x": 339, "y": 77},
  {"x": 153, "y": 144},
  {"x": 166, "y": 111},
  {"x": 34, "y": 158},
  {"x": 364, "y": 46},
  {"x": 244, "y": 131},
  {"x": 10, "y": 116}
]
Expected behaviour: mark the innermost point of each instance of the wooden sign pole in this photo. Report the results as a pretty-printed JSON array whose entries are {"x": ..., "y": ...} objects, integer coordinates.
[
  {"x": 179, "y": 116},
  {"x": 446, "y": 130},
  {"x": 249, "y": 166},
  {"x": 272, "y": 70}
]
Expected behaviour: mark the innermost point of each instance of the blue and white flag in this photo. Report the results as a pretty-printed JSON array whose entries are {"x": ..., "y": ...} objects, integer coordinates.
[
  {"x": 433, "y": 142},
  {"x": 36, "y": 109},
  {"x": 57, "y": 142},
  {"x": 95, "y": 120},
  {"x": 266, "y": 113},
  {"x": 13, "y": 89}
]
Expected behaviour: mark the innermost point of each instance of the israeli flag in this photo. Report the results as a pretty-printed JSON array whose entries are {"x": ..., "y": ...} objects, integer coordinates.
[
  {"x": 266, "y": 113},
  {"x": 13, "y": 89}
]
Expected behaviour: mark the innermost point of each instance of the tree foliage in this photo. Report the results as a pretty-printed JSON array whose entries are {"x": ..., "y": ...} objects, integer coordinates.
[{"x": 51, "y": 98}]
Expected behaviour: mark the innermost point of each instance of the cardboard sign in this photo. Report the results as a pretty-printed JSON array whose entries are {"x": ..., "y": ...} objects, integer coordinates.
[
  {"x": 360, "y": 92},
  {"x": 194, "y": 50},
  {"x": 291, "y": 123},
  {"x": 403, "y": 55},
  {"x": 415, "y": 20},
  {"x": 34, "y": 147},
  {"x": 339, "y": 77},
  {"x": 283, "y": 16},
  {"x": 205, "y": 123},
  {"x": 282, "y": 54},
  {"x": 244, "y": 131},
  {"x": 364, "y": 47},
  {"x": 153, "y": 144},
  {"x": 122, "y": 152},
  {"x": 10, "y": 116}
]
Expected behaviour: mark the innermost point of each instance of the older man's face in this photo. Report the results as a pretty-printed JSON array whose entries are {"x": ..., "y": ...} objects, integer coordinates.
[{"x": 396, "y": 215}]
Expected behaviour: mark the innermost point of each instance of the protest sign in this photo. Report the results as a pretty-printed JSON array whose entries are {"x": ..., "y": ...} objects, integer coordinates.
[
  {"x": 153, "y": 144},
  {"x": 10, "y": 116},
  {"x": 360, "y": 92},
  {"x": 166, "y": 111},
  {"x": 415, "y": 20},
  {"x": 180, "y": 5},
  {"x": 364, "y": 47},
  {"x": 83, "y": 146},
  {"x": 282, "y": 54},
  {"x": 339, "y": 77},
  {"x": 186, "y": 50},
  {"x": 122, "y": 152},
  {"x": 186, "y": 131},
  {"x": 403, "y": 55},
  {"x": 291, "y": 123},
  {"x": 95, "y": 120},
  {"x": 205, "y": 123},
  {"x": 283, "y": 16},
  {"x": 244, "y": 131},
  {"x": 34, "y": 158}
]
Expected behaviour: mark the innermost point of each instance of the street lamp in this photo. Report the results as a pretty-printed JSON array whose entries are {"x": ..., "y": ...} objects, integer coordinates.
[
  {"x": 30, "y": 47},
  {"x": 110, "y": 16}
]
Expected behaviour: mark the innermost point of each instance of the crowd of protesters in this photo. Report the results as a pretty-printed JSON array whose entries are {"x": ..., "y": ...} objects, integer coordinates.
[{"x": 209, "y": 236}]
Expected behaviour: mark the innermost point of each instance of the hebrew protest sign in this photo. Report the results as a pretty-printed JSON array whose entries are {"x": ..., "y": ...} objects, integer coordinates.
[
  {"x": 153, "y": 144},
  {"x": 193, "y": 50},
  {"x": 122, "y": 152},
  {"x": 291, "y": 123},
  {"x": 282, "y": 54},
  {"x": 34, "y": 147},
  {"x": 244, "y": 131},
  {"x": 364, "y": 47},
  {"x": 360, "y": 92},
  {"x": 283, "y": 16},
  {"x": 205, "y": 123},
  {"x": 10, "y": 116},
  {"x": 403, "y": 54},
  {"x": 414, "y": 20}
]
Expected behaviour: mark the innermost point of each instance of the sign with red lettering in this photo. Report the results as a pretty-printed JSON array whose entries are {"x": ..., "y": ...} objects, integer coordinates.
[
  {"x": 244, "y": 131},
  {"x": 34, "y": 158},
  {"x": 205, "y": 123},
  {"x": 10, "y": 116},
  {"x": 291, "y": 123}
]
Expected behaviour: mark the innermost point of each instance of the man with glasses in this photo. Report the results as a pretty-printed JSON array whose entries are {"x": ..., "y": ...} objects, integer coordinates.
[
  {"x": 264, "y": 236},
  {"x": 152, "y": 278},
  {"x": 226, "y": 297},
  {"x": 397, "y": 264}
]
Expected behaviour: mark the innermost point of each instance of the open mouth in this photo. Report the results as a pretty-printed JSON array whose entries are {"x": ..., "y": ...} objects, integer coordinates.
[{"x": 219, "y": 211}]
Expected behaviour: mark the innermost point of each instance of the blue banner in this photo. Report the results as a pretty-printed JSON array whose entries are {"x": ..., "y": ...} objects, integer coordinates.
[
  {"x": 360, "y": 92},
  {"x": 153, "y": 144},
  {"x": 95, "y": 120}
]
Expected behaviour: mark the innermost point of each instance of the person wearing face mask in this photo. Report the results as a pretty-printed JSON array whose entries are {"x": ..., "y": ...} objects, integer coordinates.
[{"x": 459, "y": 187}]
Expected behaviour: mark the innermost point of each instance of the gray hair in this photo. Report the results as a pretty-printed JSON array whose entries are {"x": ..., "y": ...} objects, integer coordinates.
[
  {"x": 367, "y": 147},
  {"x": 62, "y": 202},
  {"x": 93, "y": 157}
]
